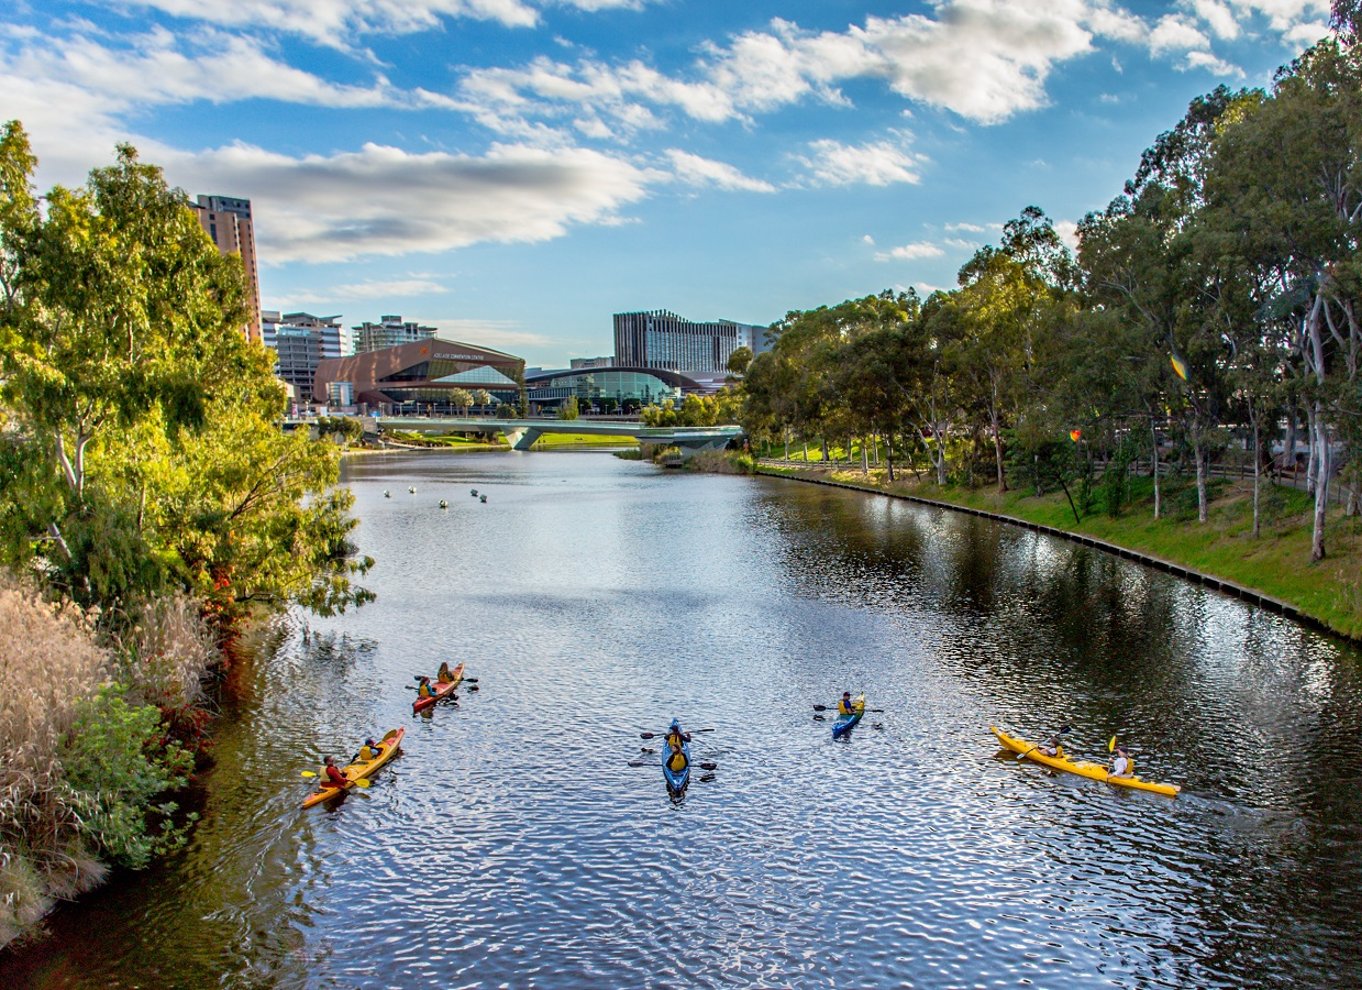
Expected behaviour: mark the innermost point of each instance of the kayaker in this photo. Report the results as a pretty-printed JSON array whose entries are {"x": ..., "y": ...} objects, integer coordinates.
[
  {"x": 676, "y": 762},
  {"x": 369, "y": 751},
  {"x": 334, "y": 777},
  {"x": 1052, "y": 746},
  {"x": 425, "y": 690},
  {"x": 844, "y": 706},
  {"x": 1121, "y": 764},
  {"x": 675, "y": 737},
  {"x": 445, "y": 676}
]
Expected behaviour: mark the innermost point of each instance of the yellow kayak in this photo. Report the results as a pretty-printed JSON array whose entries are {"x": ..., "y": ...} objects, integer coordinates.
[
  {"x": 1084, "y": 768},
  {"x": 387, "y": 746}
]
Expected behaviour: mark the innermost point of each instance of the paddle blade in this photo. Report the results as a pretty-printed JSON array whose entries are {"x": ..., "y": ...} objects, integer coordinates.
[
  {"x": 362, "y": 782},
  {"x": 309, "y": 773},
  {"x": 701, "y": 730},
  {"x": 1111, "y": 745},
  {"x": 709, "y": 766},
  {"x": 646, "y": 735},
  {"x": 820, "y": 708}
]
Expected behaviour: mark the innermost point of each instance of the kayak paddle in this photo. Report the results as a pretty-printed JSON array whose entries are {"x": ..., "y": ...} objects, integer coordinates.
[{"x": 1064, "y": 730}]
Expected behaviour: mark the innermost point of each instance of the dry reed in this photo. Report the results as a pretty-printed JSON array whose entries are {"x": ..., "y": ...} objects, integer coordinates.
[{"x": 49, "y": 664}]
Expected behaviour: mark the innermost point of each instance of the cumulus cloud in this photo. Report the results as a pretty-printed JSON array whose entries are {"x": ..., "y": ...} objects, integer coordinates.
[
  {"x": 878, "y": 163},
  {"x": 363, "y": 291},
  {"x": 1211, "y": 63},
  {"x": 385, "y": 201},
  {"x": 911, "y": 252},
  {"x": 697, "y": 171}
]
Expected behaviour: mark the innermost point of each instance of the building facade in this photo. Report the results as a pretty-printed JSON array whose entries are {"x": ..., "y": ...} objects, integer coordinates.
[
  {"x": 390, "y": 331},
  {"x": 661, "y": 339},
  {"x": 228, "y": 222},
  {"x": 301, "y": 341},
  {"x": 419, "y": 376},
  {"x": 607, "y": 390},
  {"x": 596, "y": 362}
]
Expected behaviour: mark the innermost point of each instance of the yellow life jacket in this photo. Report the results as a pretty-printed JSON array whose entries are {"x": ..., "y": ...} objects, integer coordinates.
[
  {"x": 426, "y": 691},
  {"x": 677, "y": 761},
  {"x": 846, "y": 708},
  {"x": 446, "y": 677},
  {"x": 367, "y": 753}
]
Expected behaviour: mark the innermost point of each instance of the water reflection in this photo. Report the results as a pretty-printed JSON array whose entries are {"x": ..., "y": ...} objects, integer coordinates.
[{"x": 517, "y": 843}]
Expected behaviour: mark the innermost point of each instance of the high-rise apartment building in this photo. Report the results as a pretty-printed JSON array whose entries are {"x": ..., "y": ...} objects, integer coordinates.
[
  {"x": 389, "y": 332},
  {"x": 301, "y": 342},
  {"x": 228, "y": 222},
  {"x": 661, "y": 339}
]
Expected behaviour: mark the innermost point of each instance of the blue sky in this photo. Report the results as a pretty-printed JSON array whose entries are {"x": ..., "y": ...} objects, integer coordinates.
[{"x": 515, "y": 171}]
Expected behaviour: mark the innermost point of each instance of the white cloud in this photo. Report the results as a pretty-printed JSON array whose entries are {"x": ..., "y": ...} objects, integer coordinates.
[
  {"x": 879, "y": 163},
  {"x": 1221, "y": 19},
  {"x": 385, "y": 201},
  {"x": 497, "y": 334},
  {"x": 1209, "y": 62},
  {"x": 1068, "y": 233},
  {"x": 867, "y": 239},
  {"x": 1176, "y": 33},
  {"x": 697, "y": 171},
  {"x": 972, "y": 228},
  {"x": 337, "y": 22},
  {"x": 362, "y": 291},
  {"x": 960, "y": 244},
  {"x": 911, "y": 252}
]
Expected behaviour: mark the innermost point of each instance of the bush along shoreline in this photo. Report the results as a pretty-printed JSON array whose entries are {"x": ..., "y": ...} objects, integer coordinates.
[{"x": 151, "y": 511}]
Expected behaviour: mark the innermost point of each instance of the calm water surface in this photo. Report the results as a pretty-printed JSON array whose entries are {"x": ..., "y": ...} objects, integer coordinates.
[{"x": 514, "y": 845}]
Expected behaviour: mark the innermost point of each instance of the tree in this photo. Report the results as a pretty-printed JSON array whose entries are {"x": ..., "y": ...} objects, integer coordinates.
[
  {"x": 739, "y": 360},
  {"x": 483, "y": 398},
  {"x": 147, "y": 424},
  {"x": 568, "y": 410}
]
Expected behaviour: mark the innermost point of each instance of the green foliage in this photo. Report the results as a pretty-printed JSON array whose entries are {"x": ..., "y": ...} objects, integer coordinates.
[
  {"x": 347, "y": 428},
  {"x": 568, "y": 410},
  {"x": 143, "y": 451},
  {"x": 116, "y": 764}
]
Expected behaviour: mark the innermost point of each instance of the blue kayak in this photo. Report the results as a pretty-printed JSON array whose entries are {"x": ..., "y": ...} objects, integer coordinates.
[
  {"x": 845, "y": 723},
  {"x": 676, "y": 779}
]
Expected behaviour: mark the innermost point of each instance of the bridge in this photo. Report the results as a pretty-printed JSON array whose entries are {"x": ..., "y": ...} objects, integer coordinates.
[{"x": 522, "y": 433}]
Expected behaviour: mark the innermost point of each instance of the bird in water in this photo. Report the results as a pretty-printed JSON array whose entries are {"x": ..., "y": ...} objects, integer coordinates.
[
  {"x": 387, "y": 494},
  {"x": 482, "y": 498},
  {"x": 444, "y": 504},
  {"x": 412, "y": 489}
]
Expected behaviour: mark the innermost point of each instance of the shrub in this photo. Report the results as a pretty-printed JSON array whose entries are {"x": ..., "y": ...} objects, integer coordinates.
[{"x": 115, "y": 766}]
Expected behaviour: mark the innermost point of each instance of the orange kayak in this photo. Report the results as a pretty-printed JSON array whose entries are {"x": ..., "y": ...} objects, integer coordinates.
[
  {"x": 387, "y": 747},
  {"x": 421, "y": 704}
]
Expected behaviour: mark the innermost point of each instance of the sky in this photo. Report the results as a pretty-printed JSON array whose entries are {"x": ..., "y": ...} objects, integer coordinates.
[{"x": 514, "y": 172}]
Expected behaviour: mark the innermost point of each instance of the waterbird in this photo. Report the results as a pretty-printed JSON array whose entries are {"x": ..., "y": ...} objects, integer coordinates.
[
  {"x": 482, "y": 498},
  {"x": 444, "y": 504}
]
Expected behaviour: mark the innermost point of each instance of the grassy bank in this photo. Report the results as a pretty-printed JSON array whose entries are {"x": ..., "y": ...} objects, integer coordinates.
[{"x": 1276, "y": 563}]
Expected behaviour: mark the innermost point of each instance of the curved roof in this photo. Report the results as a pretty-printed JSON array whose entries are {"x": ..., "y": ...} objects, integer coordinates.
[{"x": 674, "y": 378}]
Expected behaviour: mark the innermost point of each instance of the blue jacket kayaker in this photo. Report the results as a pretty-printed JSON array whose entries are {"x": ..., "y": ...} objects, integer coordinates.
[
  {"x": 425, "y": 690},
  {"x": 369, "y": 751},
  {"x": 844, "y": 706}
]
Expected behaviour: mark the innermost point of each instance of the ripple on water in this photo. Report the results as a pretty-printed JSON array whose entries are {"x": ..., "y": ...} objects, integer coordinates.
[{"x": 513, "y": 845}]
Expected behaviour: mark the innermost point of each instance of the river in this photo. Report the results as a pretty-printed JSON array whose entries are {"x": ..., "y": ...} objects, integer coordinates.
[{"x": 514, "y": 843}]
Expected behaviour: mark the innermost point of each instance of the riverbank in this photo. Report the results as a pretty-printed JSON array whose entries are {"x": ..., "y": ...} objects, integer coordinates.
[{"x": 1275, "y": 567}]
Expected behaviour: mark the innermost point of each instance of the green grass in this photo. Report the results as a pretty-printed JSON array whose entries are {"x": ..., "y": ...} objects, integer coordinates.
[
  {"x": 549, "y": 441},
  {"x": 1277, "y": 563}
]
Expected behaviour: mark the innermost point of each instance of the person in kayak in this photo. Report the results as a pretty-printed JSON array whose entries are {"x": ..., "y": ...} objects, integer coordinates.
[
  {"x": 369, "y": 751},
  {"x": 1053, "y": 746},
  {"x": 676, "y": 761},
  {"x": 1121, "y": 764},
  {"x": 445, "y": 676},
  {"x": 844, "y": 706},
  {"x": 425, "y": 690},
  {"x": 332, "y": 774}
]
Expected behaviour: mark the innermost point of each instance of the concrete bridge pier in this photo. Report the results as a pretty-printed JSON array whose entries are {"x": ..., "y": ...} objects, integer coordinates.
[{"x": 522, "y": 437}]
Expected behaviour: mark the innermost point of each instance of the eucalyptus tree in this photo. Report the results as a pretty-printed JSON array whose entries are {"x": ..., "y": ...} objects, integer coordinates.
[
  {"x": 1289, "y": 170},
  {"x": 144, "y": 443}
]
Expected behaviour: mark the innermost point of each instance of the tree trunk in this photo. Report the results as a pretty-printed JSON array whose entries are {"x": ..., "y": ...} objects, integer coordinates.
[
  {"x": 998, "y": 454},
  {"x": 1310, "y": 462},
  {"x": 1289, "y": 448},
  {"x": 889, "y": 455},
  {"x": 865, "y": 458},
  {"x": 1320, "y": 440},
  {"x": 806, "y": 451},
  {"x": 824, "y": 442},
  {"x": 786, "y": 437},
  {"x": 875, "y": 449},
  {"x": 1200, "y": 455},
  {"x": 1257, "y": 472}
]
